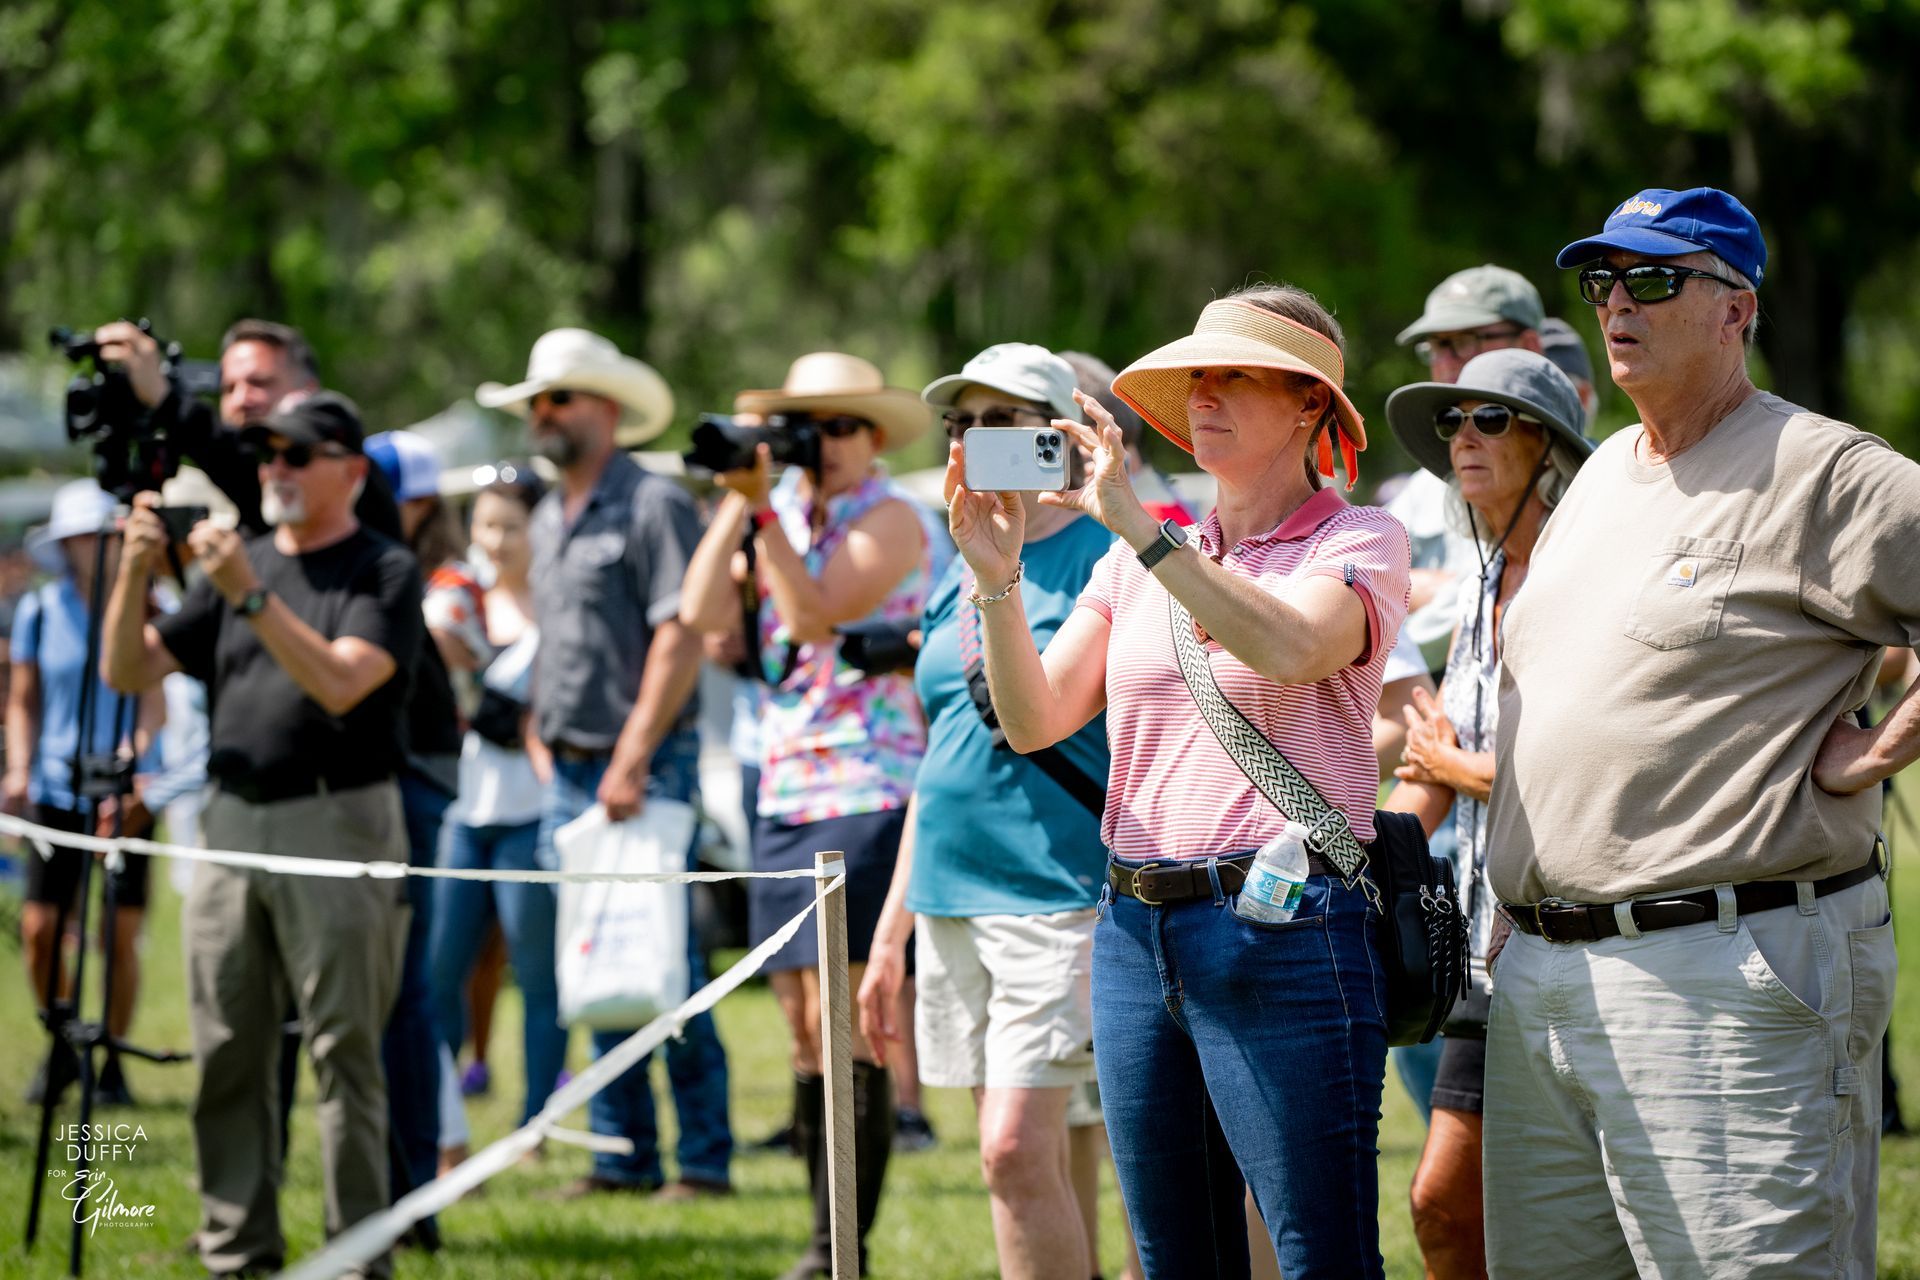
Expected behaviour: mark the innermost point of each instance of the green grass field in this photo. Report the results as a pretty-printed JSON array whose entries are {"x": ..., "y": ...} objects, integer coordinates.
[{"x": 933, "y": 1226}]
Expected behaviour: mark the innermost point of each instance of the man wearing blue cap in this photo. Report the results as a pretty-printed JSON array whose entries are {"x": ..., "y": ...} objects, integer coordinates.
[{"x": 1683, "y": 1059}]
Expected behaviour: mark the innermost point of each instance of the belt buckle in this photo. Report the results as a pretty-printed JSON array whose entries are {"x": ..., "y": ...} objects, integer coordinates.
[
  {"x": 1133, "y": 885},
  {"x": 1548, "y": 909}
]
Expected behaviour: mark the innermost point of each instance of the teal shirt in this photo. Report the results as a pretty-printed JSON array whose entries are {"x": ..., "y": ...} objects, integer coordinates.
[{"x": 995, "y": 835}]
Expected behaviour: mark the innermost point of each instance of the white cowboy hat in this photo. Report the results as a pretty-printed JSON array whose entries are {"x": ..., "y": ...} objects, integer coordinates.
[
  {"x": 578, "y": 360},
  {"x": 829, "y": 382}
]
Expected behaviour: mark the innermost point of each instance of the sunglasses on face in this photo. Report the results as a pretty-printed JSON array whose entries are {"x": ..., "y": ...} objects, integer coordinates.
[
  {"x": 1490, "y": 420},
  {"x": 999, "y": 417},
  {"x": 1651, "y": 282},
  {"x": 1464, "y": 346},
  {"x": 840, "y": 426},
  {"x": 297, "y": 456},
  {"x": 559, "y": 398}
]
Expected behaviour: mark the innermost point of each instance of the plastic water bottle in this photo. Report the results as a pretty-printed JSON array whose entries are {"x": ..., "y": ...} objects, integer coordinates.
[{"x": 1277, "y": 877}]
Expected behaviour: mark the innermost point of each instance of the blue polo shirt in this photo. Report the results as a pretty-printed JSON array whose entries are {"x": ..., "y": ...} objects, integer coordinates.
[
  {"x": 995, "y": 835},
  {"x": 50, "y": 632}
]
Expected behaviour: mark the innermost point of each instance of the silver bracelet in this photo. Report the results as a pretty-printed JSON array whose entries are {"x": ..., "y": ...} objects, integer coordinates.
[{"x": 975, "y": 599}]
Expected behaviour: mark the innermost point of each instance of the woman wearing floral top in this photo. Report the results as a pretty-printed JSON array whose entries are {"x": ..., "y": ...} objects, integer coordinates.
[{"x": 830, "y": 545}]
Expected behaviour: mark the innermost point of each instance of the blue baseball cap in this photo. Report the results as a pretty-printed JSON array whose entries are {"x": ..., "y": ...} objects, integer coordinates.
[{"x": 1667, "y": 224}]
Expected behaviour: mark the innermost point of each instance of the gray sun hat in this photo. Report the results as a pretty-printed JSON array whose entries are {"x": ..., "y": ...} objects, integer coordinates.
[
  {"x": 1524, "y": 381},
  {"x": 1475, "y": 298}
]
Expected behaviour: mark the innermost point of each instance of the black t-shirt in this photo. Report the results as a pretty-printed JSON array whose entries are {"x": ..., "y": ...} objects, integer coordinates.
[{"x": 266, "y": 732}]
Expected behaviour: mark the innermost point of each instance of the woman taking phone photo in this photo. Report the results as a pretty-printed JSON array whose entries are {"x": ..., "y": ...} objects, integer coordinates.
[
  {"x": 830, "y": 544},
  {"x": 1231, "y": 1053}
]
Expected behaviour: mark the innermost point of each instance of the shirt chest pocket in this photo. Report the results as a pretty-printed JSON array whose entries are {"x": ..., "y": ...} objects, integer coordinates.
[
  {"x": 1683, "y": 592},
  {"x": 592, "y": 560}
]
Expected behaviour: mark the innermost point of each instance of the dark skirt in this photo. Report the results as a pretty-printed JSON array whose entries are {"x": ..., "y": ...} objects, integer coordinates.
[{"x": 870, "y": 841}]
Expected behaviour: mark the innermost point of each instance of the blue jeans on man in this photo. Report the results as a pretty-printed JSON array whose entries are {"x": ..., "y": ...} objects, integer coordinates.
[
  {"x": 696, "y": 1063},
  {"x": 1226, "y": 1045}
]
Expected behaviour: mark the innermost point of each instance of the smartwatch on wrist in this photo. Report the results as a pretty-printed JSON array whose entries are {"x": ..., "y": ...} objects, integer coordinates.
[
  {"x": 253, "y": 602},
  {"x": 1173, "y": 536}
]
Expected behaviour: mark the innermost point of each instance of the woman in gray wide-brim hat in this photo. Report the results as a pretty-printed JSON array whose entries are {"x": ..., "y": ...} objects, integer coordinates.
[{"x": 1506, "y": 438}]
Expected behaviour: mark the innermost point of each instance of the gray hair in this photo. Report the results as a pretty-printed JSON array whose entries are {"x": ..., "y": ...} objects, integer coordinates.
[{"x": 1721, "y": 266}]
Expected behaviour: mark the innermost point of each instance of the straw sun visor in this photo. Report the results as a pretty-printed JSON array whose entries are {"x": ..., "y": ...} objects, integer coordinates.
[{"x": 1238, "y": 335}]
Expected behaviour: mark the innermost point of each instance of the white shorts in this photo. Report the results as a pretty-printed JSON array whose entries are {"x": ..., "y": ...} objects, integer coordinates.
[{"x": 1005, "y": 1001}]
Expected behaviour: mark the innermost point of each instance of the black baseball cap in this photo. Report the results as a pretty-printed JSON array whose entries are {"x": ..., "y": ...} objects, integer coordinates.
[{"x": 326, "y": 417}]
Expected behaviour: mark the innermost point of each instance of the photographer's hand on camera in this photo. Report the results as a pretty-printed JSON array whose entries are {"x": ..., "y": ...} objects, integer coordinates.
[
  {"x": 144, "y": 538},
  {"x": 755, "y": 483},
  {"x": 222, "y": 553},
  {"x": 138, "y": 355}
]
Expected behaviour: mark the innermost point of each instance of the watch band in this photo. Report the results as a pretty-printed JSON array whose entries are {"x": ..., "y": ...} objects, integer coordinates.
[
  {"x": 253, "y": 602},
  {"x": 1173, "y": 535}
]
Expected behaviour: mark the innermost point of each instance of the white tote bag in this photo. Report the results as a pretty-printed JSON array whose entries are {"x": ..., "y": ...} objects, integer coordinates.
[{"x": 621, "y": 948}]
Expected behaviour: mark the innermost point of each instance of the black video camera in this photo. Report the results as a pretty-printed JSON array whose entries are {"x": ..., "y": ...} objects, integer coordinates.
[
  {"x": 722, "y": 444},
  {"x": 130, "y": 455}
]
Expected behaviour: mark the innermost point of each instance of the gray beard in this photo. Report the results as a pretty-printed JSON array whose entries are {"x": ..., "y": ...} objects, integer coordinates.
[
  {"x": 277, "y": 512},
  {"x": 558, "y": 448}
]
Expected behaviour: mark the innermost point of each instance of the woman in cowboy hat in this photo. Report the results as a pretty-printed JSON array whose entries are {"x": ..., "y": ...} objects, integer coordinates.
[
  {"x": 827, "y": 546},
  {"x": 1506, "y": 439},
  {"x": 1230, "y": 1053}
]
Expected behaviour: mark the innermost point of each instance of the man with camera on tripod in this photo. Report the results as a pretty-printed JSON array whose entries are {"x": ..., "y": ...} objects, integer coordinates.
[{"x": 305, "y": 638}]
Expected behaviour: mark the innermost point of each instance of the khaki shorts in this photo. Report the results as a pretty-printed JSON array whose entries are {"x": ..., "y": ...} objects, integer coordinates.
[{"x": 1005, "y": 1002}]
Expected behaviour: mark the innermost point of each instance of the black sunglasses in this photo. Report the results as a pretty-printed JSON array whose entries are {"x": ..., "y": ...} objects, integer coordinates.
[
  {"x": 297, "y": 455},
  {"x": 1490, "y": 420},
  {"x": 1647, "y": 283},
  {"x": 998, "y": 418},
  {"x": 839, "y": 426}
]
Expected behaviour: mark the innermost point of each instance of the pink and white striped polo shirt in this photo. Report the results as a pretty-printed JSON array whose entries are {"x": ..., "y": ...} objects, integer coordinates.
[{"x": 1173, "y": 791}]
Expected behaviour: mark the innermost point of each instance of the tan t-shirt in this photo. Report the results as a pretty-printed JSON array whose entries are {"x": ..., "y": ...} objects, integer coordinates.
[{"x": 1687, "y": 634}]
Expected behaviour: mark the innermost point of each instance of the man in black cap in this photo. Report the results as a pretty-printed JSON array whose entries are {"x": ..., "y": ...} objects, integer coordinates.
[{"x": 304, "y": 636}]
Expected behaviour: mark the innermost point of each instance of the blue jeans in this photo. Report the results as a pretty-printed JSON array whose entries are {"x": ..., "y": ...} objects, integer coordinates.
[
  {"x": 462, "y": 910},
  {"x": 409, "y": 1050},
  {"x": 1231, "y": 1050},
  {"x": 696, "y": 1064}
]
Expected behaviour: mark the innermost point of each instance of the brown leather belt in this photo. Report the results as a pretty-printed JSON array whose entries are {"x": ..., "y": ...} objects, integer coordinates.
[
  {"x": 1557, "y": 920},
  {"x": 1155, "y": 883},
  {"x": 567, "y": 751}
]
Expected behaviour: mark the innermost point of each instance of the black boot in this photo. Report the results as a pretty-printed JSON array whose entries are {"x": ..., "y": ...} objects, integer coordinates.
[
  {"x": 810, "y": 1136},
  {"x": 872, "y": 1143}
]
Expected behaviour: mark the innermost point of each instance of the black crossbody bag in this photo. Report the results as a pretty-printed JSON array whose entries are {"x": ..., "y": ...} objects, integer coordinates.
[{"x": 1423, "y": 936}]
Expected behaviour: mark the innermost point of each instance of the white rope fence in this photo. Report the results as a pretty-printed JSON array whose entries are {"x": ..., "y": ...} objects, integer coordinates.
[
  {"x": 45, "y": 839},
  {"x": 371, "y": 1237}
]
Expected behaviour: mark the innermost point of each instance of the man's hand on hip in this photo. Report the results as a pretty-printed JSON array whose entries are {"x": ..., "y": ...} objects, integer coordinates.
[
  {"x": 623, "y": 789},
  {"x": 1847, "y": 763}
]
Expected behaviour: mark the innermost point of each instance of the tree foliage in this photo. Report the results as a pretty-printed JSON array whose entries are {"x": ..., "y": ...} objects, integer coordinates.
[{"x": 425, "y": 185}]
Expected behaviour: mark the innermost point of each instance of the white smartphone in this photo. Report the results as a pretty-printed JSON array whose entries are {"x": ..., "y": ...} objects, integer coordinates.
[{"x": 1006, "y": 459}]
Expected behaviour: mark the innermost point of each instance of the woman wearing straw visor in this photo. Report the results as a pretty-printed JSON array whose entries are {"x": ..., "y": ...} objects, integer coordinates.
[
  {"x": 1230, "y": 1053},
  {"x": 1506, "y": 440}
]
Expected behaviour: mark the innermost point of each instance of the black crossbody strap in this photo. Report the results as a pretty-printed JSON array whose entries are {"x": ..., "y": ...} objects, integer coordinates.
[
  {"x": 1271, "y": 772},
  {"x": 1051, "y": 761}
]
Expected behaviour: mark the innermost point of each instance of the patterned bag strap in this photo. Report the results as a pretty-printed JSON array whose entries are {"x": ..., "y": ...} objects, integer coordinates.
[{"x": 1271, "y": 772}]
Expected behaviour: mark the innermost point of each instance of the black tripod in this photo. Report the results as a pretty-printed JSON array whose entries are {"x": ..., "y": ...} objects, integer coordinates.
[{"x": 97, "y": 775}]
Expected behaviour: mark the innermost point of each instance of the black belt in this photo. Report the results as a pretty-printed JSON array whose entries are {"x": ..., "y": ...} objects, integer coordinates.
[
  {"x": 274, "y": 790},
  {"x": 1155, "y": 883},
  {"x": 1560, "y": 921},
  {"x": 567, "y": 751}
]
